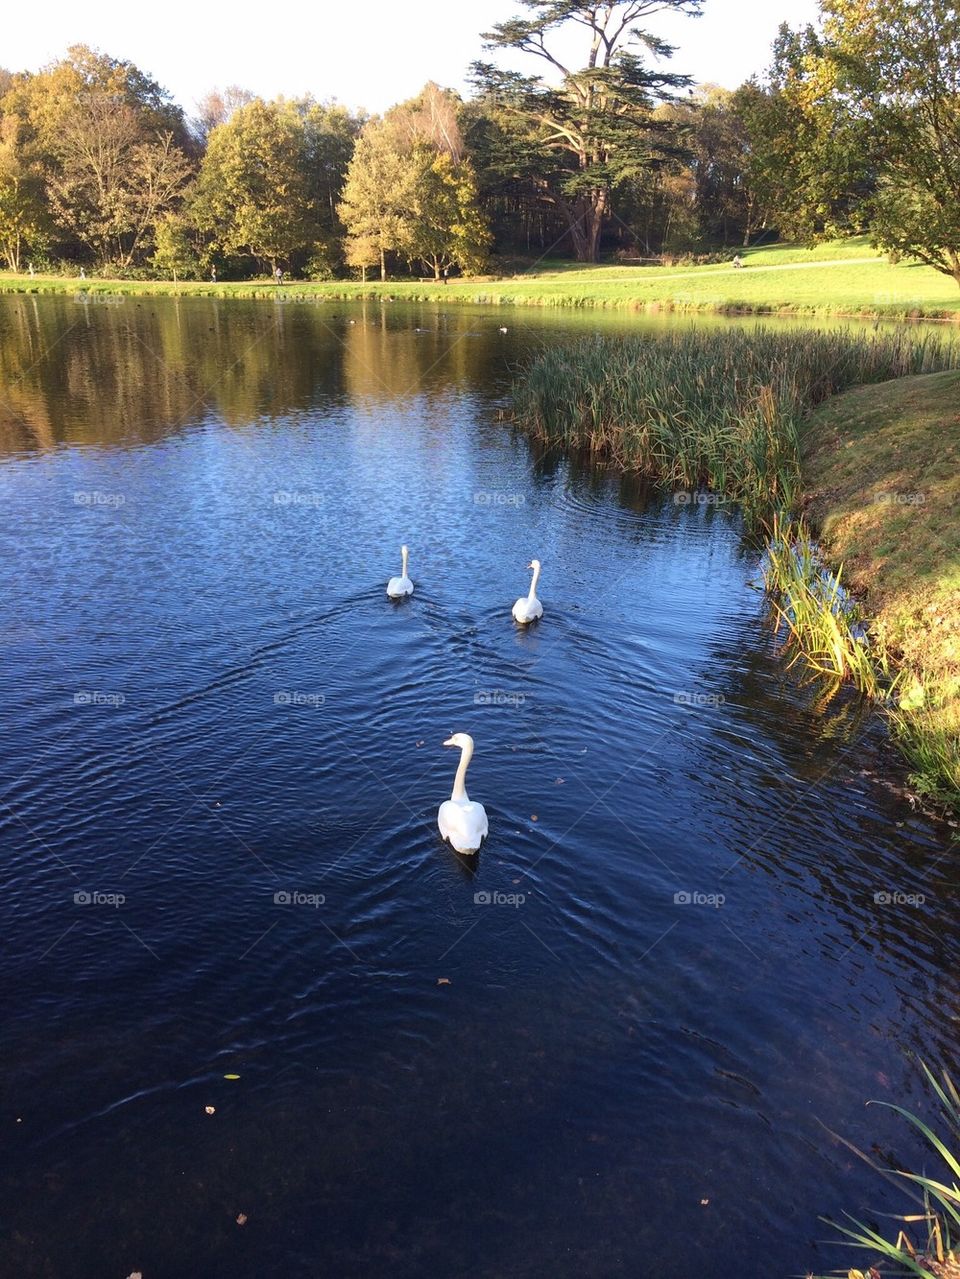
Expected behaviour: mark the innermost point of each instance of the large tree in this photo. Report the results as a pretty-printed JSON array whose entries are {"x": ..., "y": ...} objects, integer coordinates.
[
  {"x": 411, "y": 191},
  {"x": 252, "y": 196},
  {"x": 596, "y": 128},
  {"x": 892, "y": 70},
  {"x": 110, "y": 144}
]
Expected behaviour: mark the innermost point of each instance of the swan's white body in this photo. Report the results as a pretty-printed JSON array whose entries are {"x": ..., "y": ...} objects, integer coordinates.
[
  {"x": 528, "y": 608},
  {"x": 462, "y": 821},
  {"x": 397, "y": 587}
]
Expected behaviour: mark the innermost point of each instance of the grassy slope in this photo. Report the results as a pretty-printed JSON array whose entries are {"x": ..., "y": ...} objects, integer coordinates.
[
  {"x": 883, "y": 464},
  {"x": 843, "y": 277}
]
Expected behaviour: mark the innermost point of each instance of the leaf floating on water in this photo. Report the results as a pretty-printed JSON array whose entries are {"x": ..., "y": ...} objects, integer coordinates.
[
  {"x": 241, "y": 1218},
  {"x": 534, "y": 817},
  {"x": 420, "y": 743},
  {"x": 559, "y": 781},
  {"x": 704, "y": 1202},
  {"x": 210, "y": 1110},
  {"x": 443, "y": 981},
  {"x": 231, "y": 1076}
]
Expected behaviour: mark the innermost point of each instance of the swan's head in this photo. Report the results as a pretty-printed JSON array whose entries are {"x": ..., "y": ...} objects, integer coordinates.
[
  {"x": 403, "y": 550},
  {"x": 534, "y": 564},
  {"x": 463, "y": 740}
]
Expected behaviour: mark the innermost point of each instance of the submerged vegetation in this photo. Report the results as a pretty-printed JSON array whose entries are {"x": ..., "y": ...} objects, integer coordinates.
[
  {"x": 732, "y": 412},
  {"x": 936, "y": 1220}
]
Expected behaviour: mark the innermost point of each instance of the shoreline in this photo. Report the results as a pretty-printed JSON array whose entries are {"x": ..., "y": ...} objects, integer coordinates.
[{"x": 483, "y": 293}]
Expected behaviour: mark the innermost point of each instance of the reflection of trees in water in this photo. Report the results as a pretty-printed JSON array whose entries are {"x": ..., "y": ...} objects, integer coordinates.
[{"x": 134, "y": 369}]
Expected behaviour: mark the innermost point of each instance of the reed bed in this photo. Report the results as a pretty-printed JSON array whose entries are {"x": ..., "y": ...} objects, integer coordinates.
[
  {"x": 727, "y": 412},
  {"x": 717, "y": 410}
]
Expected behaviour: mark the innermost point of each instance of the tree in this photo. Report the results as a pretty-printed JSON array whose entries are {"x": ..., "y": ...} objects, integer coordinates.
[
  {"x": 175, "y": 252},
  {"x": 597, "y": 127},
  {"x": 110, "y": 144},
  {"x": 891, "y": 70},
  {"x": 377, "y": 196},
  {"x": 215, "y": 108},
  {"x": 362, "y": 251},
  {"x": 24, "y": 221},
  {"x": 252, "y": 196},
  {"x": 446, "y": 227}
]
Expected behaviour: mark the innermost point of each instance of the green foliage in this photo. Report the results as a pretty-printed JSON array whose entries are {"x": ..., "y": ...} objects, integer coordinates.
[
  {"x": 717, "y": 410},
  {"x": 108, "y": 143},
  {"x": 410, "y": 192},
  {"x": 596, "y": 131},
  {"x": 893, "y": 69},
  {"x": 175, "y": 251},
  {"x": 252, "y": 197},
  {"x": 935, "y": 1253}
]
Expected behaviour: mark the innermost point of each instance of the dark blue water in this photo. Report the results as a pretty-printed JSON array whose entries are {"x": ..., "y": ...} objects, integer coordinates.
[{"x": 614, "y": 1045}]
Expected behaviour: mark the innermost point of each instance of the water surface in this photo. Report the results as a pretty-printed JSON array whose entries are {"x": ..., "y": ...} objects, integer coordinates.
[{"x": 613, "y": 1045}]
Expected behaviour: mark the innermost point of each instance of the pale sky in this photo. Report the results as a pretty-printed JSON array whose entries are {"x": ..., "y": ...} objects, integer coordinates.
[{"x": 369, "y": 54}]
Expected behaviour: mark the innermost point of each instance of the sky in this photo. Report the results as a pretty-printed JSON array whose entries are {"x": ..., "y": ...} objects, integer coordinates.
[{"x": 370, "y": 54}]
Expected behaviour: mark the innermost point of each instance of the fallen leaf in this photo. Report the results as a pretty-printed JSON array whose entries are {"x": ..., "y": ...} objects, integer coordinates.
[
  {"x": 559, "y": 781},
  {"x": 703, "y": 1202},
  {"x": 419, "y": 743},
  {"x": 443, "y": 981},
  {"x": 533, "y": 817},
  {"x": 231, "y": 1076},
  {"x": 241, "y": 1218},
  {"x": 211, "y": 1110}
]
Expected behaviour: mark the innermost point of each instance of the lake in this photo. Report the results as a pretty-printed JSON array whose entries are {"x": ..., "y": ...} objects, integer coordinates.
[{"x": 706, "y": 927}]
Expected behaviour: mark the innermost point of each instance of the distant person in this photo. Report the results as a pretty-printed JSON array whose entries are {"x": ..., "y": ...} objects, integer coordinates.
[
  {"x": 83, "y": 274},
  {"x": 30, "y": 269},
  {"x": 213, "y": 275},
  {"x": 278, "y": 275},
  {"x": 738, "y": 261},
  {"x": 446, "y": 275}
]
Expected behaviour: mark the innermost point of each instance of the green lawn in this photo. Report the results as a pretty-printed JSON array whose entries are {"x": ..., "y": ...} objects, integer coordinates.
[
  {"x": 883, "y": 466},
  {"x": 840, "y": 278}
]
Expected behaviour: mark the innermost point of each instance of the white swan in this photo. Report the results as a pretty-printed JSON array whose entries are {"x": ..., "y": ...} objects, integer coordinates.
[
  {"x": 397, "y": 587},
  {"x": 462, "y": 821},
  {"x": 528, "y": 608}
]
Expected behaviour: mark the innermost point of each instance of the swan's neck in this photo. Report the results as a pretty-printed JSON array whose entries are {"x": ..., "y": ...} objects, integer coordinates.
[
  {"x": 460, "y": 781},
  {"x": 403, "y": 556},
  {"x": 533, "y": 583}
]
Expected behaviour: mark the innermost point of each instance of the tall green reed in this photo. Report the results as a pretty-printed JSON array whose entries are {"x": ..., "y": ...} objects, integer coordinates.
[{"x": 722, "y": 410}]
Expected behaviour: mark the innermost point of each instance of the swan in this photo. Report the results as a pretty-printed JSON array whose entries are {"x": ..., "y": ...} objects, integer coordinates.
[
  {"x": 462, "y": 820},
  {"x": 528, "y": 608},
  {"x": 397, "y": 587}
]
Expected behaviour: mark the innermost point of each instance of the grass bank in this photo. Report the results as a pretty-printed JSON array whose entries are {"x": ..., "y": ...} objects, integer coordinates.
[
  {"x": 882, "y": 465},
  {"x": 762, "y": 417},
  {"x": 844, "y": 277}
]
